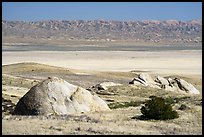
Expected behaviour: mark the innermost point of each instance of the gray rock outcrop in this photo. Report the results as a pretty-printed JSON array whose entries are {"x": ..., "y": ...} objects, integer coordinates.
[
  {"x": 55, "y": 96},
  {"x": 165, "y": 84},
  {"x": 138, "y": 81},
  {"x": 176, "y": 84},
  {"x": 185, "y": 86},
  {"x": 162, "y": 80},
  {"x": 145, "y": 80},
  {"x": 106, "y": 85}
]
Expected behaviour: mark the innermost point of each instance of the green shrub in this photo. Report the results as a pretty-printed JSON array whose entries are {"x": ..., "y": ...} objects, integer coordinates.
[
  {"x": 171, "y": 100},
  {"x": 157, "y": 108}
]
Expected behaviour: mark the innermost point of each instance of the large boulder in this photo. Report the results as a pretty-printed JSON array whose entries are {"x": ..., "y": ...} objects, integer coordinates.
[
  {"x": 56, "y": 96},
  {"x": 187, "y": 87}
]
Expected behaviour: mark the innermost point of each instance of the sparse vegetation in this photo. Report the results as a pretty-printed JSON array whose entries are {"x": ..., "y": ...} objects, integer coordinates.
[
  {"x": 173, "y": 100},
  {"x": 124, "y": 104},
  {"x": 183, "y": 107},
  {"x": 157, "y": 108},
  {"x": 18, "y": 81}
]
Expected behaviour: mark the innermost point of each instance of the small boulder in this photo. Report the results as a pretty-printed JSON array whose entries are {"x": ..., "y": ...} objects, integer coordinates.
[
  {"x": 106, "y": 85},
  {"x": 137, "y": 81},
  {"x": 146, "y": 78},
  {"x": 162, "y": 80},
  {"x": 187, "y": 87},
  {"x": 165, "y": 84}
]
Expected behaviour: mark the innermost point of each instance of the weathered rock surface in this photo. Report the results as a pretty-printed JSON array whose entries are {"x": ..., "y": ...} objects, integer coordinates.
[
  {"x": 58, "y": 97},
  {"x": 185, "y": 86},
  {"x": 169, "y": 84},
  {"x": 162, "y": 81},
  {"x": 165, "y": 84},
  {"x": 145, "y": 80},
  {"x": 106, "y": 85},
  {"x": 138, "y": 81}
]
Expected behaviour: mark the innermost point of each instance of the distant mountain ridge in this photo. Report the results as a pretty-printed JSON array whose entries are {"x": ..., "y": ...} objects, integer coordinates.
[{"x": 141, "y": 31}]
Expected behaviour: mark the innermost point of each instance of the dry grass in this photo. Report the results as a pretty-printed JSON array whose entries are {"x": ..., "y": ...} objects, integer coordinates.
[
  {"x": 31, "y": 67},
  {"x": 59, "y": 41},
  {"x": 17, "y": 79}
]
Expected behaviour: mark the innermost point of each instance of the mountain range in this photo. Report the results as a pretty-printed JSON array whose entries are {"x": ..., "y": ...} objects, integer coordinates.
[{"x": 155, "y": 31}]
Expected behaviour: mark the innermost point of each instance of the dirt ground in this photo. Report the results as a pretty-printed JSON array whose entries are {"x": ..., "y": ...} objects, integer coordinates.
[{"x": 87, "y": 68}]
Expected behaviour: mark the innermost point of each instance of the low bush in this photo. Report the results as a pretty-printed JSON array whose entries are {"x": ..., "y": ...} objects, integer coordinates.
[{"x": 157, "y": 108}]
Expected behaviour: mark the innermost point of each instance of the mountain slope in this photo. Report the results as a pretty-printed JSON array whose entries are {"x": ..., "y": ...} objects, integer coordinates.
[{"x": 141, "y": 31}]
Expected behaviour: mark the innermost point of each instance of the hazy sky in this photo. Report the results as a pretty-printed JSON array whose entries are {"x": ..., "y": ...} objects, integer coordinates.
[{"x": 34, "y": 11}]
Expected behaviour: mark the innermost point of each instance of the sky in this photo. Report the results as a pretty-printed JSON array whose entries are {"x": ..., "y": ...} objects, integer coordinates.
[{"x": 123, "y": 11}]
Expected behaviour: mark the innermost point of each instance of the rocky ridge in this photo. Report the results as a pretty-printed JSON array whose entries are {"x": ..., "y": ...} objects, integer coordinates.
[
  {"x": 172, "y": 31},
  {"x": 168, "y": 84}
]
